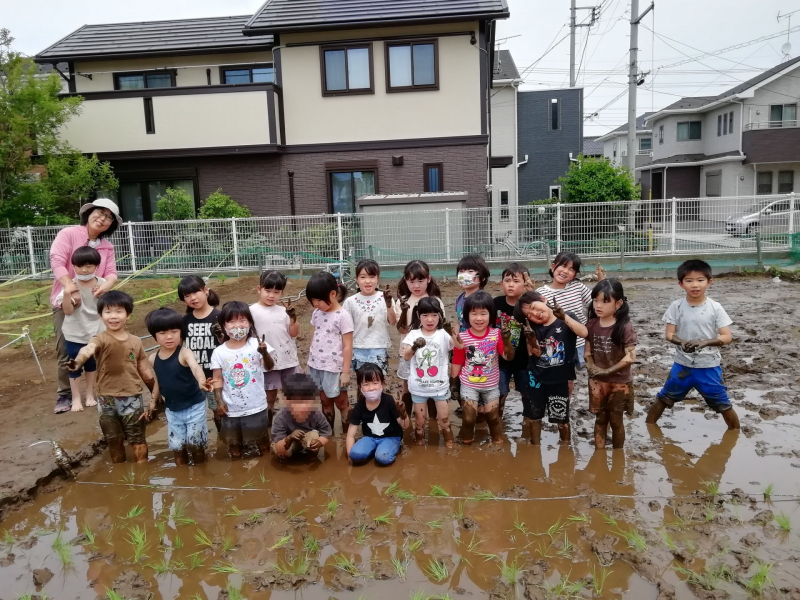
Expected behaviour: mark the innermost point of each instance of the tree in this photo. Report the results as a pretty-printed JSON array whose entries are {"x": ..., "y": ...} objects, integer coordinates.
[
  {"x": 597, "y": 180},
  {"x": 222, "y": 206},
  {"x": 174, "y": 204}
]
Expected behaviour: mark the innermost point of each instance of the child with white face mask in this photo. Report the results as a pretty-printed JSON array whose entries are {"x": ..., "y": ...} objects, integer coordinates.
[
  {"x": 239, "y": 364},
  {"x": 473, "y": 275}
]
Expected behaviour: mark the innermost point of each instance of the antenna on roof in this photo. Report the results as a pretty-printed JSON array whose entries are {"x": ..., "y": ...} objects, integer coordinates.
[{"x": 787, "y": 47}]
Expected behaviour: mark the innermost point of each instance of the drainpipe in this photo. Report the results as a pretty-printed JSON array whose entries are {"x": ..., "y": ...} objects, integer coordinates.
[
  {"x": 664, "y": 192},
  {"x": 291, "y": 192},
  {"x": 755, "y": 179},
  {"x": 524, "y": 162}
]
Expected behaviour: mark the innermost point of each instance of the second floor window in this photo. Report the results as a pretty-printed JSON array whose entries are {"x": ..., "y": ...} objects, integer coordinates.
[
  {"x": 783, "y": 115},
  {"x": 346, "y": 70},
  {"x": 554, "y": 115},
  {"x": 140, "y": 81},
  {"x": 247, "y": 74},
  {"x": 411, "y": 66},
  {"x": 689, "y": 130},
  {"x": 660, "y": 134},
  {"x": 434, "y": 177},
  {"x": 645, "y": 144}
]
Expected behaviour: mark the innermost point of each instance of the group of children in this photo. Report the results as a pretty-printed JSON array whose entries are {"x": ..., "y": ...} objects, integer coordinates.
[{"x": 234, "y": 359}]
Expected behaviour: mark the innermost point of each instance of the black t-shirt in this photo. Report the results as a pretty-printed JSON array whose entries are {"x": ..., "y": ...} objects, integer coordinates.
[
  {"x": 557, "y": 362},
  {"x": 378, "y": 423},
  {"x": 520, "y": 362},
  {"x": 200, "y": 340}
]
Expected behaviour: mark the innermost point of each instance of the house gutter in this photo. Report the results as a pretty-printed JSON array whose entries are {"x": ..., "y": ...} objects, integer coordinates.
[{"x": 712, "y": 161}]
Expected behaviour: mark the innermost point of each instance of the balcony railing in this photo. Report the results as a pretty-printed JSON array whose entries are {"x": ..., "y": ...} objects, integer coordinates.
[
  {"x": 643, "y": 152},
  {"x": 789, "y": 123}
]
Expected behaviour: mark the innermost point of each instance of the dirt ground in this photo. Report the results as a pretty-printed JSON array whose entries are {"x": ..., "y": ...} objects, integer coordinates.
[{"x": 685, "y": 510}]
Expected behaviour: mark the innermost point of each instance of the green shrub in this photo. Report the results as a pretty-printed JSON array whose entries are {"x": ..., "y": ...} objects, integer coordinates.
[
  {"x": 174, "y": 205},
  {"x": 222, "y": 206}
]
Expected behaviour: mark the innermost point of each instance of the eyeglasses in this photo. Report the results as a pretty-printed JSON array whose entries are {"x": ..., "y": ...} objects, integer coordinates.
[{"x": 105, "y": 215}]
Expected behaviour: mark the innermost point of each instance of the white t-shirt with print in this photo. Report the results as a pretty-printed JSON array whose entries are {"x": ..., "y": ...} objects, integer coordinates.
[
  {"x": 430, "y": 365},
  {"x": 273, "y": 322},
  {"x": 369, "y": 320},
  {"x": 242, "y": 378}
]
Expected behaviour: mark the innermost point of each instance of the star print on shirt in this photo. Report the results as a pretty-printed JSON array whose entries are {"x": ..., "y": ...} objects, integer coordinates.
[
  {"x": 377, "y": 427},
  {"x": 558, "y": 329}
]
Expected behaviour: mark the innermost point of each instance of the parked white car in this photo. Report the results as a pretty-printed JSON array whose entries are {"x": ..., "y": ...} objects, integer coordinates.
[{"x": 768, "y": 215}]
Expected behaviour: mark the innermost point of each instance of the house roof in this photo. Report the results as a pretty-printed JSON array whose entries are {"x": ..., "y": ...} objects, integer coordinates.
[
  {"x": 692, "y": 158},
  {"x": 308, "y": 15},
  {"x": 504, "y": 66},
  {"x": 592, "y": 146},
  {"x": 640, "y": 126},
  {"x": 153, "y": 38}
]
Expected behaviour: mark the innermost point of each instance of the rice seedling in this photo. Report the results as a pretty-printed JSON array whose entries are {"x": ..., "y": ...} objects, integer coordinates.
[
  {"x": 112, "y": 595},
  {"x": 332, "y": 507},
  {"x": 290, "y": 514},
  {"x": 281, "y": 542},
  {"x": 420, "y": 595},
  {"x": 487, "y": 556},
  {"x": 768, "y": 491},
  {"x": 137, "y": 538},
  {"x": 509, "y": 571},
  {"x": 400, "y": 567},
  {"x": 384, "y": 519},
  {"x": 255, "y": 518},
  {"x": 225, "y": 567},
  {"x": 179, "y": 513},
  {"x": 542, "y": 547},
  {"x": 712, "y": 487},
  {"x": 437, "y": 570},
  {"x": 609, "y": 520},
  {"x": 310, "y": 544},
  {"x": 404, "y": 496},
  {"x": 87, "y": 533},
  {"x": 759, "y": 580},
  {"x": 7, "y": 537},
  {"x": 63, "y": 549},
  {"x": 566, "y": 548},
  {"x": 234, "y": 593},
  {"x": 565, "y": 588},
  {"x": 667, "y": 539},
  {"x": 129, "y": 478},
  {"x": 436, "y": 524},
  {"x": 197, "y": 562},
  {"x": 161, "y": 568},
  {"x": 554, "y": 529},
  {"x": 161, "y": 526},
  {"x": 689, "y": 545},
  {"x": 134, "y": 512},
  {"x": 709, "y": 513},
  {"x": 227, "y": 544},
  {"x": 393, "y": 487},
  {"x": 709, "y": 579},
  {"x": 458, "y": 513},
  {"x": 635, "y": 539},
  {"x": 329, "y": 489},
  {"x": 203, "y": 539},
  {"x": 473, "y": 545},
  {"x": 299, "y": 566},
  {"x": 783, "y": 522},
  {"x": 415, "y": 545},
  {"x": 438, "y": 491},
  {"x": 346, "y": 564},
  {"x": 520, "y": 526},
  {"x": 482, "y": 496},
  {"x": 262, "y": 477},
  {"x": 581, "y": 518},
  {"x": 250, "y": 484},
  {"x": 361, "y": 535},
  {"x": 234, "y": 512},
  {"x": 599, "y": 580},
  {"x": 177, "y": 543}
]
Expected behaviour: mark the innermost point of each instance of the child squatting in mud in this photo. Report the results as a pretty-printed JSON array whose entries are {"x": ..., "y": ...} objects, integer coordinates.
[{"x": 300, "y": 426}]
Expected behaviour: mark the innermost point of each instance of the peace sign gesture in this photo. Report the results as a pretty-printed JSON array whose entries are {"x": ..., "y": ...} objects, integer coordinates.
[
  {"x": 291, "y": 311},
  {"x": 263, "y": 351}
]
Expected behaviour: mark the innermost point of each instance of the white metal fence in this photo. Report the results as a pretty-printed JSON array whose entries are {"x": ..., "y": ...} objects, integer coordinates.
[{"x": 634, "y": 228}]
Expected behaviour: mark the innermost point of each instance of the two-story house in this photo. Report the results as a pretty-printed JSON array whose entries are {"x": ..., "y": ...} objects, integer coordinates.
[
  {"x": 504, "y": 119},
  {"x": 743, "y": 142},
  {"x": 615, "y": 144},
  {"x": 298, "y": 109}
]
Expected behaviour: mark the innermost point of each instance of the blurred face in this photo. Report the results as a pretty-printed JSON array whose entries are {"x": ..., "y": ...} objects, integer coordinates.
[
  {"x": 605, "y": 306},
  {"x": 695, "y": 284},
  {"x": 537, "y": 312},
  {"x": 429, "y": 321},
  {"x": 100, "y": 219},
  {"x": 301, "y": 408},
  {"x": 367, "y": 283},
  {"x": 169, "y": 339},
  {"x": 114, "y": 317},
  {"x": 479, "y": 318},
  {"x": 563, "y": 274},
  {"x": 85, "y": 269},
  {"x": 322, "y": 305},
  {"x": 469, "y": 279},
  {"x": 196, "y": 300},
  {"x": 269, "y": 297},
  {"x": 513, "y": 285},
  {"x": 418, "y": 287}
]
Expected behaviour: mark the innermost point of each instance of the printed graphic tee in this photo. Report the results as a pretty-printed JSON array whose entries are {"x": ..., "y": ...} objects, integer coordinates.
[
  {"x": 326, "y": 352},
  {"x": 273, "y": 322},
  {"x": 479, "y": 359},
  {"x": 606, "y": 354},
  {"x": 557, "y": 362},
  {"x": 701, "y": 322},
  {"x": 505, "y": 315},
  {"x": 200, "y": 340},
  {"x": 242, "y": 378},
  {"x": 574, "y": 298},
  {"x": 378, "y": 423},
  {"x": 371, "y": 329},
  {"x": 118, "y": 364},
  {"x": 430, "y": 365}
]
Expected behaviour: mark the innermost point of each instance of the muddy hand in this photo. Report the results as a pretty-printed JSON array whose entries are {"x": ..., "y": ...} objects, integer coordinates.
[
  {"x": 448, "y": 327},
  {"x": 209, "y": 384},
  {"x": 297, "y": 435},
  {"x": 401, "y": 408},
  {"x": 595, "y": 371},
  {"x": 558, "y": 312},
  {"x": 692, "y": 346},
  {"x": 216, "y": 331},
  {"x": 418, "y": 343},
  {"x": 459, "y": 342},
  {"x": 528, "y": 283},
  {"x": 403, "y": 304},
  {"x": 600, "y": 272},
  {"x": 72, "y": 366},
  {"x": 387, "y": 296},
  {"x": 505, "y": 331},
  {"x": 291, "y": 311}
]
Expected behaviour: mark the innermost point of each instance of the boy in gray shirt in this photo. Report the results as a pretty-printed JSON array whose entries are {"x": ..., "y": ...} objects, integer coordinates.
[
  {"x": 299, "y": 426},
  {"x": 698, "y": 326}
]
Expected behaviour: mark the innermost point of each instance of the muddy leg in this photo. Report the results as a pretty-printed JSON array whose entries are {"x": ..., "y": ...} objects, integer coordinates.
[
  {"x": 564, "y": 433},
  {"x": 617, "y": 429},
  {"x": 343, "y": 404},
  {"x": 655, "y": 412},
  {"x": 536, "y": 432},
  {"x": 116, "y": 447},
  {"x": 443, "y": 419},
  {"x": 468, "y": 419},
  {"x": 601, "y": 429},
  {"x": 502, "y": 404},
  {"x": 198, "y": 454},
  {"x": 731, "y": 418},
  {"x": 181, "y": 457},
  {"x": 91, "y": 380},
  {"x": 235, "y": 450},
  {"x": 406, "y": 398},
  {"x": 327, "y": 408},
  {"x": 75, "y": 386},
  {"x": 495, "y": 424},
  {"x": 263, "y": 445},
  {"x": 139, "y": 452},
  {"x": 431, "y": 409},
  {"x": 420, "y": 418},
  {"x": 272, "y": 398}
]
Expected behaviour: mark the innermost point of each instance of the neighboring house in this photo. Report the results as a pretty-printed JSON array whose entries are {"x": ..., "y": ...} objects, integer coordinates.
[
  {"x": 550, "y": 136},
  {"x": 505, "y": 185},
  {"x": 298, "y": 109},
  {"x": 592, "y": 147},
  {"x": 615, "y": 143},
  {"x": 745, "y": 141}
]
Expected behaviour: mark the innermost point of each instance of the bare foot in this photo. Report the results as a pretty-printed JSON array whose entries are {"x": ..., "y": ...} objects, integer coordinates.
[
  {"x": 76, "y": 406},
  {"x": 91, "y": 401}
]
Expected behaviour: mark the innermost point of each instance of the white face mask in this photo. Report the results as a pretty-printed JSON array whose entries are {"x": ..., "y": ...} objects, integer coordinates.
[
  {"x": 87, "y": 277},
  {"x": 373, "y": 395},
  {"x": 467, "y": 279},
  {"x": 238, "y": 333}
]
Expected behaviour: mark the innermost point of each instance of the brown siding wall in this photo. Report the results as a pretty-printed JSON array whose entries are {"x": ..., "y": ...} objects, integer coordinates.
[
  {"x": 683, "y": 182},
  {"x": 771, "y": 145}
]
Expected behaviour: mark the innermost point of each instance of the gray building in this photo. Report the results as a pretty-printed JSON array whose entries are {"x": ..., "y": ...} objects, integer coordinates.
[{"x": 550, "y": 135}]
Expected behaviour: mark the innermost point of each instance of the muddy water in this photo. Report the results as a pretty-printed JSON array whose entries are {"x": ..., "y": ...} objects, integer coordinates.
[{"x": 561, "y": 514}]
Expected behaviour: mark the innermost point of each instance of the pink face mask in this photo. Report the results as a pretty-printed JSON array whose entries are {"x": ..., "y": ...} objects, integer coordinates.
[{"x": 373, "y": 395}]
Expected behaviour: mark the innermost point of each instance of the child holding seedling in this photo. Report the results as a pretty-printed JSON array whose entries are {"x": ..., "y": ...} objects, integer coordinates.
[
  {"x": 122, "y": 366},
  {"x": 181, "y": 384},
  {"x": 610, "y": 352},
  {"x": 239, "y": 365},
  {"x": 427, "y": 346},
  {"x": 278, "y": 324},
  {"x": 300, "y": 426},
  {"x": 476, "y": 358}
]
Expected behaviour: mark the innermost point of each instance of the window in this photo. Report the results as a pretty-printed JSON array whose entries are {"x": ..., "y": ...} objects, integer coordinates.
[
  {"x": 719, "y": 125},
  {"x": 660, "y": 134},
  {"x": 615, "y": 149},
  {"x": 555, "y": 192},
  {"x": 554, "y": 115},
  {"x": 764, "y": 182},
  {"x": 785, "y": 182},
  {"x": 247, "y": 74},
  {"x": 347, "y": 186},
  {"x": 783, "y": 115},
  {"x": 724, "y": 124},
  {"x": 689, "y": 130},
  {"x": 346, "y": 70},
  {"x": 139, "y": 199},
  {"x": 434, "y": 177},
  {"x": 140, "y": 81},
  {"x": 730, "y": 122},
  {"x": 645, "y": 144},
  {"x": 504, "y": 214},
  {"x": 149, "y": 118},
  {"x": 714, "y": 183},
  {"x": 411, "y": 66}
]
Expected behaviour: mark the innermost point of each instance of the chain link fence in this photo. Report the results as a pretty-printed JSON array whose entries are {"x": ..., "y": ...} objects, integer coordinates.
[{"x": 536, "y": 232}]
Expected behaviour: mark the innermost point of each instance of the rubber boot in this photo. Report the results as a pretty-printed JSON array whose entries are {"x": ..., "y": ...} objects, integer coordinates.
[
  {"x": 447, "y": 434},
  {"x": 495, "y": 425},
  {"x": 468, "y": 423},
  {"x": 431, "y": 409},
  {"x": 406, "y": 399}
]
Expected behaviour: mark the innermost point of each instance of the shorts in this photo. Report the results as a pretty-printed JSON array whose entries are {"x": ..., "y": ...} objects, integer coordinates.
[
  {"x": 708, "y": 382},
  {"x": 237, "y": 431},
  {"x": 481, "y": 396},
  {"x": 90, "y": 366},
  {"x": 551, "y": 400},
  {"x": 275, "y": 379},
  {"x": 119, "y": 417},
  {"x": 212, "y": 401},
  {"x": 613, "y": 397},
  {"x": 187, "y": 427},
  {"x": 580, "y": 361},
  {"x": 403, "y": 369},
  {"x": 326, "y": 381},
  {"x": 520, "y": 377},
  {"x": 442, "y": 397},
  {"x": 376, "y": 356}
]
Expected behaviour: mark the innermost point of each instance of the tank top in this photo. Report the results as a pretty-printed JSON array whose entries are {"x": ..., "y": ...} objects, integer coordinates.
[{"x": 176, "y": 383}]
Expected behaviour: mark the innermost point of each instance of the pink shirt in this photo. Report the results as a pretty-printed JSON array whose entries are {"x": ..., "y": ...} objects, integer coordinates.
[{"x": 67, "y": 241}]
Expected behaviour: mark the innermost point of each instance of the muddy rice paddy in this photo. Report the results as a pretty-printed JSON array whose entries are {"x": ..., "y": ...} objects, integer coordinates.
[{"x": 685, "y": 510}]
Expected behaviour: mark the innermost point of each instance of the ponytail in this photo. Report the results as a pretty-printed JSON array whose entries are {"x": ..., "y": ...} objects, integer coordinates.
[{"x": 612, "y": 290}]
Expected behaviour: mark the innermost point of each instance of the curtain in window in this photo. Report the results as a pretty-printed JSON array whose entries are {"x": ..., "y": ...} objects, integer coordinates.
[
  {"x": 358, "y": 68},
  {"x": 237, "y": 76},
  {"x": 159, "y": 80},
  {"x": 346, "y": 187},
  {"x": 130, "y": 195},
  {"x": 434, "y": 185},
  {"x": 400, "y": 66},
  {"x": 130, "y": 82},
  {"x": 335, "y": 70},
  {"x": 423, "y": 65}
]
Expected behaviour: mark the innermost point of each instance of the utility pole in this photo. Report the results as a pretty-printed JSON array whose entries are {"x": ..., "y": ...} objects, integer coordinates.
[
  {"x": 634, "y": 80},
  {"x": 573, "y": 26}
]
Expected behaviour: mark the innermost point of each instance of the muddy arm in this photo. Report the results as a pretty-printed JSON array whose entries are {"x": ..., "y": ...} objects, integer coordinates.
[
  {"x": 347, "y": 349},
  {"x": 222, "y": 408},
  {"x": 147, "y": 374},
  {"x": 187, "y": 359},
  {"x": 85, "y": 354},
  {"x": 508, "y": 347},
  {"x": 723, "y": 338},
  {"x": 402, "y": 322},
  {"x": 408, "y": 351},
  {"x": 351, "y": 437},
  {"x": 595, "y": 371},
  {"x": 577, "y": 327}
]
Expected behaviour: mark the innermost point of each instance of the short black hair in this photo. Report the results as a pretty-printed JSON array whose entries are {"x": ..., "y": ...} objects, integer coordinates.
[
  {"x": 320, "y": 286},
  {"x": 563, "y": 259},
  {"x": 233, "y": 310},
  {"x": 115, "y": 298},
  {"x": 515, "y": 269},
  {"x": 111, "y": 228},
  {"x": 526, "y": 299},
  {"x": 426, "y": 306},
  {"x": 368, "y": 372},
  {"x": 372, "y": 268},
  {"x": 272, "y": 280},
  {"x": 299, "y": 385},
  {"x": 164, "y": 319},
  {"x": 700, "y": 266},
  {"x": 475, "y": 262},
  {"x": 85, "y": 255},
  {"x": 476, "y": 301}
]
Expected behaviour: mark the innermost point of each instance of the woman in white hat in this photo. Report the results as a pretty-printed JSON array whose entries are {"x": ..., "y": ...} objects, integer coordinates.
[{"x": 99, "y": 220}]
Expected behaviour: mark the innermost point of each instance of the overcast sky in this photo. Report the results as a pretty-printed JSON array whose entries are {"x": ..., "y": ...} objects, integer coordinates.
[{"x": 705, "y": 25}]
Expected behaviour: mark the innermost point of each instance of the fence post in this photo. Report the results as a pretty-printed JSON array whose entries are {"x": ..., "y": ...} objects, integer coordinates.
[
  {"x": 341, "y": 244},
  {"x": 131, "y": 246},
  {"x": 235, "y": 244},
  {"x": 30, "y": 250},
  {"x": 558, "y": 227},
  {"x": 447, "y": 231},
  {"x": 674, "y": 226},
  {"x": 792, "y": 205}
]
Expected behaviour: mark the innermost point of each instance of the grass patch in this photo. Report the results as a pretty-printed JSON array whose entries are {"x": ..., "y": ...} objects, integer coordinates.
[
  {"x": 667, "y": 539},
  {"x": 566, "y": 548},
  {"x": 436, "y": 524},
  {"x": 437, "y": 570},
  {"x": 438, "y": 491},
  {"x": 404, "y": 495},
  {"x": 250, "y": 484},
  {"x": 7, "y": 537},
  {"x": 310, "y": 543},
  {"x": 520, "y": 526},
  {"x": 709, "y": 579},
  {"x": 225, "y": 567},
  {"x": 554, "y": 529},
  {"x": 299, "y": 566},
  {"x": 565, "y": 588},
  {"x": 783, "y": 522},
  {"x": 177, "y": 543},
  {"x": 161, "y": 568},
  {"x": 346, "y": 564},
  {"x": 384, "y": 519},
  {"x": 542, "y": 547},
  {"x": 63, "y": 549},
  {"x": 609, "y": 520},
  {"x": 420, "y": 595}
]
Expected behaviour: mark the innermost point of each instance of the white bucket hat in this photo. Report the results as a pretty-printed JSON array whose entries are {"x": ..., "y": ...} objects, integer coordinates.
[{"x": 102, "y": 203}]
